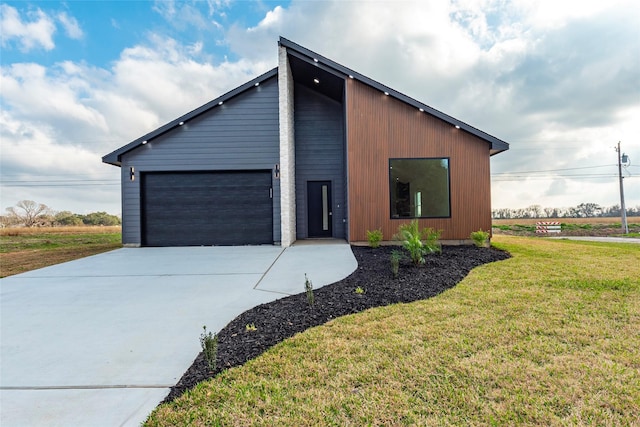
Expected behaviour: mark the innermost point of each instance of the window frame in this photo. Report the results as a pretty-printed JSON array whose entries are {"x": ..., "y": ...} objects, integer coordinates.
[{"x": 391, "y": 213}]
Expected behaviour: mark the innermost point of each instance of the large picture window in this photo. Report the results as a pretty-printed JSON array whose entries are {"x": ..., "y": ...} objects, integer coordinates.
[{"x": 419, "y": 188}]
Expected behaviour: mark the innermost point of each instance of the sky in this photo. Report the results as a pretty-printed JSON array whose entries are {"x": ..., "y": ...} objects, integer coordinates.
[{"x": 559, "y": 80}]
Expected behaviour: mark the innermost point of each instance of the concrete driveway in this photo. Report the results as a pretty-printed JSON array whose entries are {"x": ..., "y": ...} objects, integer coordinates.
[{"x": 99, "y": 341}]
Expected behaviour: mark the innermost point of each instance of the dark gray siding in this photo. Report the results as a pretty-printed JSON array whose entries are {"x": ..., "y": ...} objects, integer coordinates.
[
  {"x": 241, "y": 134},
  {"x": 320, "y": 148}
]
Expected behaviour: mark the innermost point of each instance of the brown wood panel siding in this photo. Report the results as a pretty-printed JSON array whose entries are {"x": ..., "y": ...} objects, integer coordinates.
[{"x": 381, "y": 127}]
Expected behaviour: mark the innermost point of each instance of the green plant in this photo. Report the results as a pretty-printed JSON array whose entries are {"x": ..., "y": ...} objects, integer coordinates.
[
  {"x": 524, "y": 227},
  {"x": 250, "y": 327},
  {"x": 308, "y": 288},
  {"x": 374, "y": 237},
  {"x": 502, "y": 227},
  {"x": 209, "y": 344},
  {"x": 542, "y": 291},
  {"x": 359, "y": 290},
  {"x": 480, "y": 238},
  {"x": 418, "y": 243},
  {"x": 396, "y": 257}
]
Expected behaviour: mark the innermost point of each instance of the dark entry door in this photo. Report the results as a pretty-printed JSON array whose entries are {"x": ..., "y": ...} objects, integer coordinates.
[{"x": 319, "y": 212}]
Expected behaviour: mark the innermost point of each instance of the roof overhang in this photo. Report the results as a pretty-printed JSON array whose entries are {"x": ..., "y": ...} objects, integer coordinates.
[
  {"x": 114, "y": 158},
  {"x": 307, "y": 62},
  {"x": 306, "y": 66}
]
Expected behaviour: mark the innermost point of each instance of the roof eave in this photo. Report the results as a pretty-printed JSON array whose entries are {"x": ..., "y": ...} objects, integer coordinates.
[
  {"x": 497, "y": 145},
  {"x": 114, "y": 158},
  {"x": 493, "y": 151}
]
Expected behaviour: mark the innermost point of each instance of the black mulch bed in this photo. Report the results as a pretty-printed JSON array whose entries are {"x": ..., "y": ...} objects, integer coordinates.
[{"x": 283, "y": 318}]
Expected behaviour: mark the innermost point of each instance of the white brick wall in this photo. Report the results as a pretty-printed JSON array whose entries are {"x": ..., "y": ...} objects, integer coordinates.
[{"x": 287, "y": 150}]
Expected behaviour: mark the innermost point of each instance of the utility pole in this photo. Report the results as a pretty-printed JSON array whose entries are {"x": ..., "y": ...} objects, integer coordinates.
[{"x": 623, "y": 210}]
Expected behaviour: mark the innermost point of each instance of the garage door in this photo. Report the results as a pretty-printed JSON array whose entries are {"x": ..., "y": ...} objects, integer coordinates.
[{"x": 206, "y": 208}]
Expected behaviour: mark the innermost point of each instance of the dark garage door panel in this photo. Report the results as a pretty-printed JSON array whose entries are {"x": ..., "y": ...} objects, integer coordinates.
[{"x": 212, "y": 208}]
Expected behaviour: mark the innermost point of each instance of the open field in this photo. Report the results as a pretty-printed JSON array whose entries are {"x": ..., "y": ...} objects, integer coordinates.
[
  {"x": 534, "y": 340},
  {"x": 24, "y": 249},
  {"x": 570, "y": 226},
  {"x": 86, "y": 229},
  {"x": 593, "y": 221}
]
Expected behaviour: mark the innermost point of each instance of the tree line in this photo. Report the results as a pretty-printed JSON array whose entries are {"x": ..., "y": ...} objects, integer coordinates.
[
  {"x": 27, "y": 213},
  {"x": 583, "y": 210}
]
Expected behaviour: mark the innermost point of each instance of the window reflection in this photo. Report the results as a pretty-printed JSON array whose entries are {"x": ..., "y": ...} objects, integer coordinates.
[{"x": 419, "y": 188}]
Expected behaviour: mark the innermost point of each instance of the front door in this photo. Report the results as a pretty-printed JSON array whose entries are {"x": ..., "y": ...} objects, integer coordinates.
[{"x": 319, "y": 214}]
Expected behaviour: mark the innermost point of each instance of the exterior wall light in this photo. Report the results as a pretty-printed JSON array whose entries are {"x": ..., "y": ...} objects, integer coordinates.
[
  {"x": 316, "y": 81},
  {"x": 132, "y": 174}
]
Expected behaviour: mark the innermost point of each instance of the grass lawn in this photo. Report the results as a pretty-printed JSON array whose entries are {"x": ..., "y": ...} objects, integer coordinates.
[
  {"x": 549, "y": 337},
  {"x": 25, "y": 249}
]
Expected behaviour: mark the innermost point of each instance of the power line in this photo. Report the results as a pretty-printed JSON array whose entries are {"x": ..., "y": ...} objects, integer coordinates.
[
  {"x": 558, "y": 175},
  {"x": 46, "y": 175},
  {"x": 554, "y": 170},
  {"x": 549, "y": 178},
  {"x": 66, "y": 184},
  {"x": 59, "y": 180}
]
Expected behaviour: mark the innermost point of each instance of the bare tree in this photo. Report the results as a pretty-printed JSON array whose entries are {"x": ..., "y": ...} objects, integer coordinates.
[
  {"x": 535, "y": 211},
  {"x": 588, "y": 210},
  {"x": 30, "y": 213}
]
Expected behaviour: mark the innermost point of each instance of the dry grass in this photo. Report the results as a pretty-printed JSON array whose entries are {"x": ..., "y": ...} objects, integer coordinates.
[
  {"x": 25, "y": 249},
  {"x": 593, "y": 221},
  {"x": 87, "y": 229},
  {"x": 535, "y": 340}
]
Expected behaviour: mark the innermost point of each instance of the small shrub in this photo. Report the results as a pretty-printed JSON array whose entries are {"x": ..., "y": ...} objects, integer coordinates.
[
  {"x": 418, "y": 243},
  {"x": 502, "y": 227},
  {"x": 308, "y": 288},
  {"x": 396, "y": 257},
  {"x": 480, "y": 238},
  {"x": 359, "y": 290},
  {"x": 521, "y": 227},
  {"x": 374, "y": 237},
  {"x": 431, "y": 240},
  {"x": 209, "y": 344},
  {"x": 250, "y": 327}
]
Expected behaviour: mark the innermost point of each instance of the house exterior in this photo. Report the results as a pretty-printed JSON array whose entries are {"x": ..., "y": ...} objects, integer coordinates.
[{"x": 310, "y": 149}]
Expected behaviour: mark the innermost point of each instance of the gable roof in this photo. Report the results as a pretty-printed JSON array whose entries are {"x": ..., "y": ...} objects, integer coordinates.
[
  {"x": 114, "y": 157},
  {"x": 308, "y": 58}
]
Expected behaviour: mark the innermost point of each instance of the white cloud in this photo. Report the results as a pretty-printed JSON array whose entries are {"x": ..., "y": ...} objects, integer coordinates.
[
  {"x": 60, "y": 121},
  {"x": 50, "y": 95},
  {"x": 272, "y": 19},
  {"x": 187, "y": 15},
  {"x": 185, "y": 82},
  {"x": 561, "y": 84},
  {"x": 552, "y": 14},
  {"x": 36, "y": 32},
  {"x": 538, "y": 74},
  {"x": 35, "y": 166},
  {"x": 71, "y": 26},
  {"x": 147, "y": 86}
]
